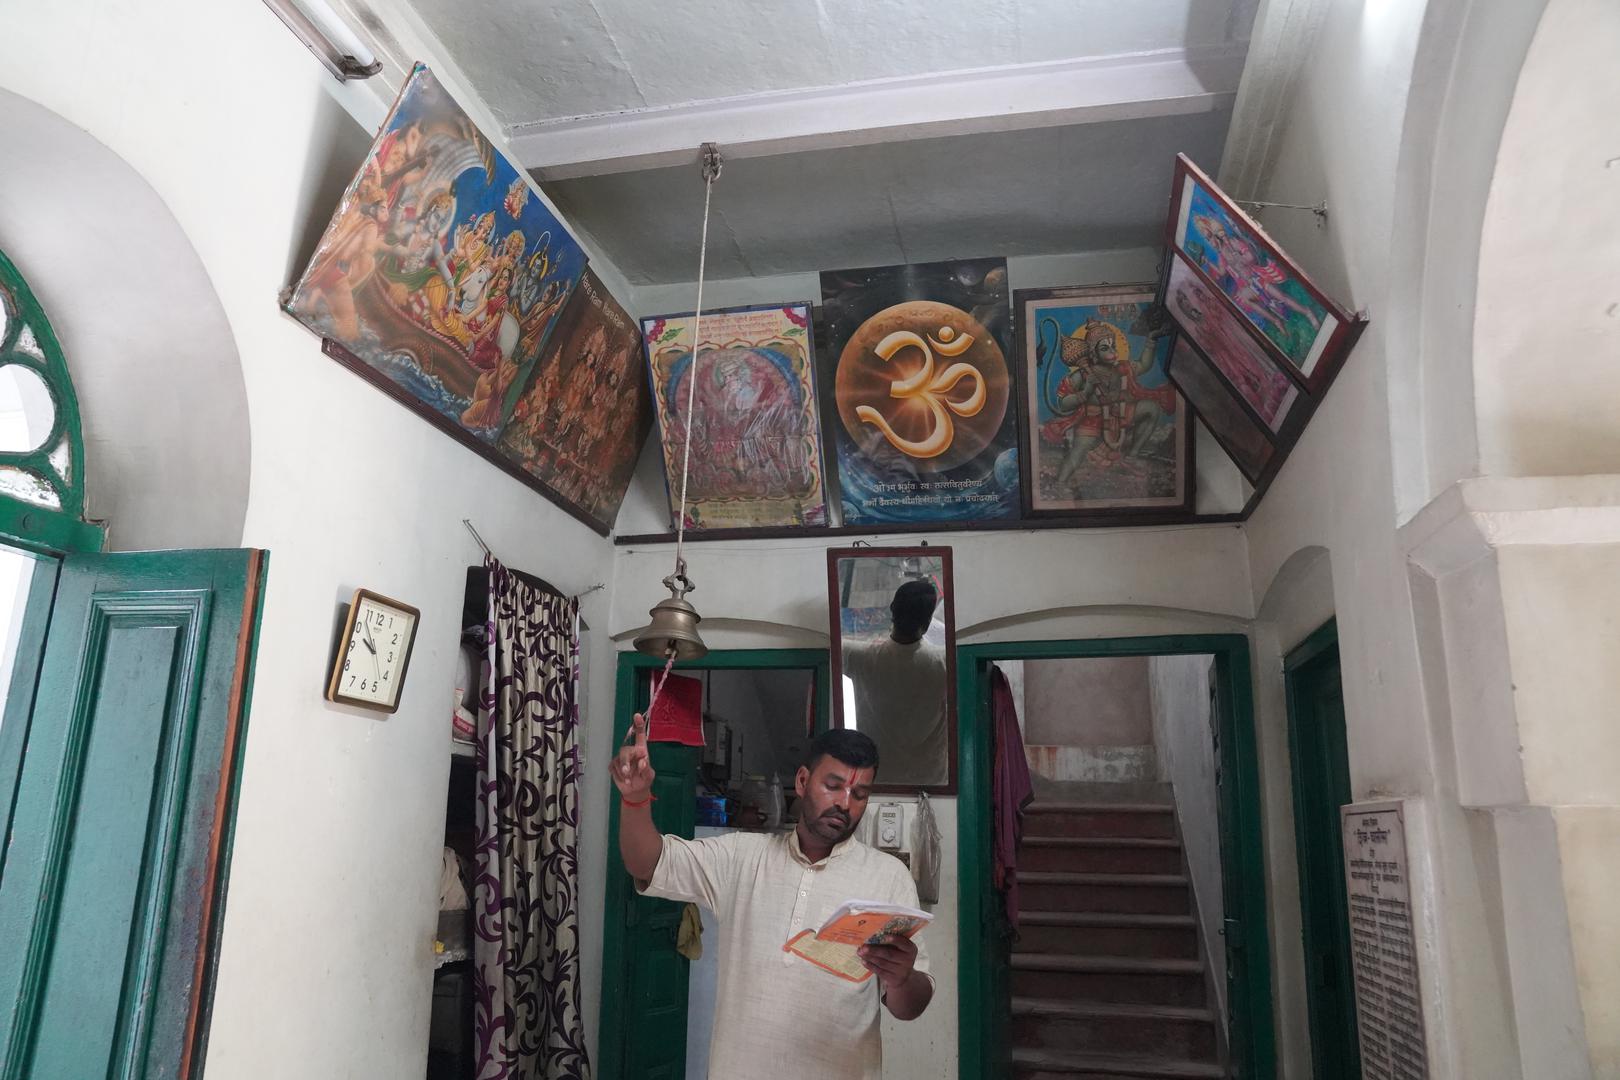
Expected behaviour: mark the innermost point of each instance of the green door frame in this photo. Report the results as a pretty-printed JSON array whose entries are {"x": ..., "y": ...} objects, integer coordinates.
[
  {"x": 1318, "y": 760},
  {"x": 631, "y": 681},
  {"x": 981, "y": 1034}
]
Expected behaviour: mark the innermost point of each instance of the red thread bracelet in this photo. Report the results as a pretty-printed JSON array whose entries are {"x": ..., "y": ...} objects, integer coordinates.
[{"x": 650, "y": 798}]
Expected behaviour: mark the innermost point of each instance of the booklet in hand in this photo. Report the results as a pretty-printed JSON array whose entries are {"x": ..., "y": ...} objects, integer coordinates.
[{"x": 855, "y": 923}]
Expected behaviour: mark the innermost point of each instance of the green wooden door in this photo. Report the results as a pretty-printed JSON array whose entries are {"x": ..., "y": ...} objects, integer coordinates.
[
  {"x": 111, "y": 881},
  {"x": 1321, "y": 775},
  {"x": 658, "y": 976}
]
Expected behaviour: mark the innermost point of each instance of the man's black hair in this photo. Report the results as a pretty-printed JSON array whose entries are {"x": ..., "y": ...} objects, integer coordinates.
[
  {"x": 851, "y": 747},
  {"x": 913, "y": 605}
]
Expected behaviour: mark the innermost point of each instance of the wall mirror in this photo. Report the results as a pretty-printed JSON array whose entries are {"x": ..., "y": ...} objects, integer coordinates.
[{"x": 893, "y": 631}]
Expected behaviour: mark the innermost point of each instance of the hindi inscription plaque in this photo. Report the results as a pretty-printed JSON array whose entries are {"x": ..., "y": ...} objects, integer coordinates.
[{"x": 1389, "y": 1004}]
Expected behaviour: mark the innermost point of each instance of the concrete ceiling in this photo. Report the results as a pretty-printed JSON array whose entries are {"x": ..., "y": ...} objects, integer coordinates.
[
  {"x": 1044, "y": 191},
  {"x": 856, "y": 132}
]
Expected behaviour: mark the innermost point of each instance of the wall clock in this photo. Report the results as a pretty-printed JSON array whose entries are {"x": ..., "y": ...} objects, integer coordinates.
[{"x": 373, "y": 653}]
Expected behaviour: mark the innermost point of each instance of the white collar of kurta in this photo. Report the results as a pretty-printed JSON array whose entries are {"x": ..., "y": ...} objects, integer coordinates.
[{"x": 798, "y": 852}]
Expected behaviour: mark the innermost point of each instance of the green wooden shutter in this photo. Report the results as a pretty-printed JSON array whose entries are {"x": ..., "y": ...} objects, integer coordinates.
[{"x": 111, "y": 882}]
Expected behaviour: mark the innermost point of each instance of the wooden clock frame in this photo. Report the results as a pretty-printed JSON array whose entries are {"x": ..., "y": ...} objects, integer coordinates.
[{"x": 332, "y": 693}]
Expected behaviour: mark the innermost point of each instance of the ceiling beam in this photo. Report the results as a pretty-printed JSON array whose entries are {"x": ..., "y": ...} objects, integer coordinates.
[{"x": 1129, "y": 86}]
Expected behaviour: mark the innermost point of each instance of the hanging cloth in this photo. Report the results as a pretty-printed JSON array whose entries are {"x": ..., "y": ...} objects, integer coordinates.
[
  {"x": 689, "y": 938},
  {"x": 925, "y": 850},
  {"x": 1011, "y": 790},
  {"x": 526, "y": 977}
]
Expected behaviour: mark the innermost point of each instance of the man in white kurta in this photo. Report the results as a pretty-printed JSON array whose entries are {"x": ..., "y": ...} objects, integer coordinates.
[{"x": 777, "y": 1016}]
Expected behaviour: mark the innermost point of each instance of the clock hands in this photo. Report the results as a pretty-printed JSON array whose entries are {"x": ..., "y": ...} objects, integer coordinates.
[{"x": 377, "y": 671}]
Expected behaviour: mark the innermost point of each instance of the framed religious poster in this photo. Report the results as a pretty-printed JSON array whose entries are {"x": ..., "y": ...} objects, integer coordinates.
[
  {"x": 922, "y": 407},
  {"x": 1217, "y": 405},
  {"x": 579, "y": 423},
  {"x": 1299, "y": 324},
  {"x": 442, "y": 272},
  {"x": 756, "y": 437},
  {"x": 1104, "y": 430},
  {"x": 1259, "y": 380}
]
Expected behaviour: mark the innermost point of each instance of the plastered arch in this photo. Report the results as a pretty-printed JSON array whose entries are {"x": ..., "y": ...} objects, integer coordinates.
[
  {"x": 1547, "y": 315},
  {"x": 1468, "y": 55},
  {"x": 153, "y": 360}
]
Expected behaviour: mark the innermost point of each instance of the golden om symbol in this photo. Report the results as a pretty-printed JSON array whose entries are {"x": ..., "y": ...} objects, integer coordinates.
[{"x": 930, "y": 389}]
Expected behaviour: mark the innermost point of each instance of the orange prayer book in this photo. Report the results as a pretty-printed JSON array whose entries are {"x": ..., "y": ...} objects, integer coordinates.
[{"x": 855, "y": 923}]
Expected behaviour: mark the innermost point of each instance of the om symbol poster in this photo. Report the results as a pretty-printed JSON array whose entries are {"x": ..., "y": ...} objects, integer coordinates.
[
  {"x": 442, "y": 270},
  {"x": 922, "y": 389},
  {"x": 756, "y": 441}
]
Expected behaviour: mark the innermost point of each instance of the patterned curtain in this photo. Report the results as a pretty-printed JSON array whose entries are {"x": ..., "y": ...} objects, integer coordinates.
[{"x": 526, "y": 919}]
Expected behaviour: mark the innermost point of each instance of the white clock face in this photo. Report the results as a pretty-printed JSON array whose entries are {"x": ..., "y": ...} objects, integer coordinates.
[{"x": 374, "y": 658}]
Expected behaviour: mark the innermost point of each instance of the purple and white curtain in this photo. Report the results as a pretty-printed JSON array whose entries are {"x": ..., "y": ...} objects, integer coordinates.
[{"x": 525, "y": 901}]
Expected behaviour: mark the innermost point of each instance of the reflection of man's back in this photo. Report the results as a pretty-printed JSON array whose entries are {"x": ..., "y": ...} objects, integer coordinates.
[{"x": 899, "y": 691}]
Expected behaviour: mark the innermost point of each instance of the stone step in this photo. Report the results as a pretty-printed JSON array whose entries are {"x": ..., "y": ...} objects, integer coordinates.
[
  {"x": 1031, "y": 1064},
  {"x": 1101, "y": 854},
  {"x": 1114, "y": 979},
  {"x": 1153, "y": 894},
  {"x": 1107, "y": 934},
  {"x": 1114, "y": 1028},
  {"x": 1055, "y": 818}
]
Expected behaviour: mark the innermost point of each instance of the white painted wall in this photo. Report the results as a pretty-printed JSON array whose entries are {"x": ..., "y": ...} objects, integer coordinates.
[
  {"x": 1548, "y": 386},
  {"x": 1180, "y": 689},
  {"x": 326, "y": 961},
  {"x": 1395, "y": 121},
  {"x": 155, "y": 366}
]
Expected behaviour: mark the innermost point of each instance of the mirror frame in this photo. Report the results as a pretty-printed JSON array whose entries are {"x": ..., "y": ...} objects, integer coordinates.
[{"x": 836, "y": 654}]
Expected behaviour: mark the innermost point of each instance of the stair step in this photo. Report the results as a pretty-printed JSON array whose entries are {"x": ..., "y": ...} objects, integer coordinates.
[
  {"x": 1105, "y": 1027},
  {"x": 1075, "y": 806},
  {"x": 1156, "y": 894},
  {"x": 1105, "y": 919},
  {"x": 1122, "y": 980},
  {"x": 1067, "y": 1009},
  {"x": 1087, "y": 819},
  {"x": 1065, "y": 877},
  {"x": 1101, "y": 842},
  {"x": 1031, "y": 1064},
  {"x": 1106, "y": 965},
  {"x": 1103, "y": 939},
  {"x": 1101, "y": 854}
]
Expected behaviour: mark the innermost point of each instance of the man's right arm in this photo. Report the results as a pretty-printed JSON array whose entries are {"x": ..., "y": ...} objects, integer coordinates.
[{"x": 640, "y": 843}]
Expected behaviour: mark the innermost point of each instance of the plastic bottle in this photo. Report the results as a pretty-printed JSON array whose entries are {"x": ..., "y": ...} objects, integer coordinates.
[{"x": 774, "y": 813}]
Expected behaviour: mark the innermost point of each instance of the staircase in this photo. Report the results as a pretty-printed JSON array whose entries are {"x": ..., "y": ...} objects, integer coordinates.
[{"x": 1107, "y": 974}]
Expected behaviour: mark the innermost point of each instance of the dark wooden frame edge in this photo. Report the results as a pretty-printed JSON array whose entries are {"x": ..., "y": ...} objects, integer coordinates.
[{"x": 835, "y": 655}]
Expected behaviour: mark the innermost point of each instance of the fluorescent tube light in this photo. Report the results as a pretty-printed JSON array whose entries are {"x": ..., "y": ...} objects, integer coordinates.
[{"x": 319, "y": 27}]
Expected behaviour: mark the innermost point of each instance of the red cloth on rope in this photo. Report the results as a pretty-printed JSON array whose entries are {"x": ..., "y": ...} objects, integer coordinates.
[{"x": 677, "y": 711}]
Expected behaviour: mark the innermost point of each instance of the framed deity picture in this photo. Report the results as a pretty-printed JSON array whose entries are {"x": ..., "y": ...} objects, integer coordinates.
[
  {"x": 442, "y": 269},
  {"x": 1260, "y": 381},
  {"x": 580, "y": 421},
  {"x": 1217, "y": 405},
  {"x": 756, "y": 440},
  {"x": 922, "y": 410},
  {"x": 1104, "y": 430},
  {"x": 1298, "y": 323}
]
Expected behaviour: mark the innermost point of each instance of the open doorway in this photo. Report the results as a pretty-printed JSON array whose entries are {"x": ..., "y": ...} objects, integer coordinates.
[
  {"x": 1141, "y": 938},
  {"x": 761, "y": 707}
]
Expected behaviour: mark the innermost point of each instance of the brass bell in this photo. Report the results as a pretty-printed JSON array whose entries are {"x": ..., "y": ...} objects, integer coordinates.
[{"x": 674, "y": 624}]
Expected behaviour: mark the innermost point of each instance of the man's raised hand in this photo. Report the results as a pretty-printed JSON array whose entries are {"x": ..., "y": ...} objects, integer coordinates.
[{"x": 632, "y": 771}]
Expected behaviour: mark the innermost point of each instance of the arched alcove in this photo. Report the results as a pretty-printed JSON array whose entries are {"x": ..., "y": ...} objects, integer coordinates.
[
  {"x": 159, "y": 382},
  {"x": 1547, "y": 314},
  {"x": 1455, "y": 114}
]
